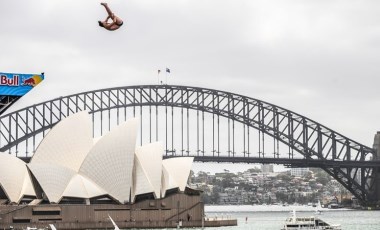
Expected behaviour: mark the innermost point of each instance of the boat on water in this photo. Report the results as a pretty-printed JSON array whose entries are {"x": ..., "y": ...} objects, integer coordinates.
[
  {"x": 333, "y": 206},
  {"x": 298, "y": 223},
  {"x": 318, "y": 208}
]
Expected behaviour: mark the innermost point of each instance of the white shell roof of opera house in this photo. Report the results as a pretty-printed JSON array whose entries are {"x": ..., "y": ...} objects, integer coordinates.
[{"x": 69, "y": 162}]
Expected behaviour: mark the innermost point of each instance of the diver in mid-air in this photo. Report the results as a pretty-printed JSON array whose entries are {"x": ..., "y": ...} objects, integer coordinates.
[{"x": 116, "y": 22}]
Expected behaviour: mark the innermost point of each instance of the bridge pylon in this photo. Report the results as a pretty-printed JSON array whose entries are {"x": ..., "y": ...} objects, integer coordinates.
[{"x": 376, "y": 172}]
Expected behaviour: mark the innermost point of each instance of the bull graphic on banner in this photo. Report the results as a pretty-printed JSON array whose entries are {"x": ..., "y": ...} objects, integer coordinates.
[{"x": 29, "y": 81}]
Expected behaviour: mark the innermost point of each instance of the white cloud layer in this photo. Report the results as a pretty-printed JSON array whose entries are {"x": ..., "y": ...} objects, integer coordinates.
[{"x": 317, "y": 58}]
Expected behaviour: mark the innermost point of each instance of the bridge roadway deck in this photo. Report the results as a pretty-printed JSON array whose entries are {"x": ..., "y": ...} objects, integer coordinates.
[{"x": 295, "y": 162}]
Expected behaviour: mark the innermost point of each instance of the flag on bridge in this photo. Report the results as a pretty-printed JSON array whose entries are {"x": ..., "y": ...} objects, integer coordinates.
[{"x": 158, "y": 76}]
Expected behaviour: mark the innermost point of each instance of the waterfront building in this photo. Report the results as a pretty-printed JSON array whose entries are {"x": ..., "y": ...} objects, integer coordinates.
[
  {"x": 299, "y": 172},
  {"x": 267, "y": 168},
  {"x": 75, "y": 181}
]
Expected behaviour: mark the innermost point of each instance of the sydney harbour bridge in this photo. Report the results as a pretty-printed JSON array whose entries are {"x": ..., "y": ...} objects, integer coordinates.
[{"x": 211, "y": 126}]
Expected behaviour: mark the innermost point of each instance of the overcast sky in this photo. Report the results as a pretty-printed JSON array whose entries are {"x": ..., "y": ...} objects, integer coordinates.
[{"x": 318, "y": 58}]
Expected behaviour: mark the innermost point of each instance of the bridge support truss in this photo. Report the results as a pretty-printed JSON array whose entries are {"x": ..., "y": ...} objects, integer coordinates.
[{"x": 295, "y": 139}]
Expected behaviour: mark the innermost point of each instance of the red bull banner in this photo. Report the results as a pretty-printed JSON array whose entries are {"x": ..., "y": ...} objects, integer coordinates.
[{"x": 14, "y": 84}]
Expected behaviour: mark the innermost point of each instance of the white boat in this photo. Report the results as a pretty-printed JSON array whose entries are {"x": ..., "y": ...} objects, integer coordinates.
[
  {"x": 114, "y": 224},
  {"x": 318, "y": 208},
  {"x": 301, "y": 223}
]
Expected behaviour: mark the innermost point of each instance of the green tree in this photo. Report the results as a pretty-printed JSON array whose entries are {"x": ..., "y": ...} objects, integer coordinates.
[
  {"x": 215, "y": 195},
  {"x": 284, "y": 177}
]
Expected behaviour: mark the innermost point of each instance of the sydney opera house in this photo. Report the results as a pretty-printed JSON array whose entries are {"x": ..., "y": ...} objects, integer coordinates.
[{"x": 75, "y": 182}]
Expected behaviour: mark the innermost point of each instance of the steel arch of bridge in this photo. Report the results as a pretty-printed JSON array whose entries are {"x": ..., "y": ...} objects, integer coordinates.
[{"x": 341, "y": 157}]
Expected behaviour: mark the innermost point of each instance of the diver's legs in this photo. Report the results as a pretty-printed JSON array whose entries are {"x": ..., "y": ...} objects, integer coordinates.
[{"x": 110, "y": 14}]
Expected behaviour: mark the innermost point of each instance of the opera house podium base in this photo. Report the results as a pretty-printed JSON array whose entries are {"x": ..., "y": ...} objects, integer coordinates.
[{"x": 149, "y": 213}]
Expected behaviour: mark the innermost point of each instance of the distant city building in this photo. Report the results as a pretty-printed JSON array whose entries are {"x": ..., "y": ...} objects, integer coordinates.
[
  {"x": 267, "y": 168},
  {"x": 299, "y": 172}
]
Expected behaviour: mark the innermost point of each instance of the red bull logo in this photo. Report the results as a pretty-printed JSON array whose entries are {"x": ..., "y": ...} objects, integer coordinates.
[
  {"x": 14, "y": 81},
  {"x": 29, "y": 81}
]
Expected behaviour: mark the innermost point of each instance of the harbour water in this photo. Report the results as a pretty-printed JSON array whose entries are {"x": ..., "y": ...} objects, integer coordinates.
[{"x": 272, "y": 217}]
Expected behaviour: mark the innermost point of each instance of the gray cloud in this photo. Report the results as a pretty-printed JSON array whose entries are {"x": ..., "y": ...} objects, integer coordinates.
[{"x": 317, "y": 58}]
